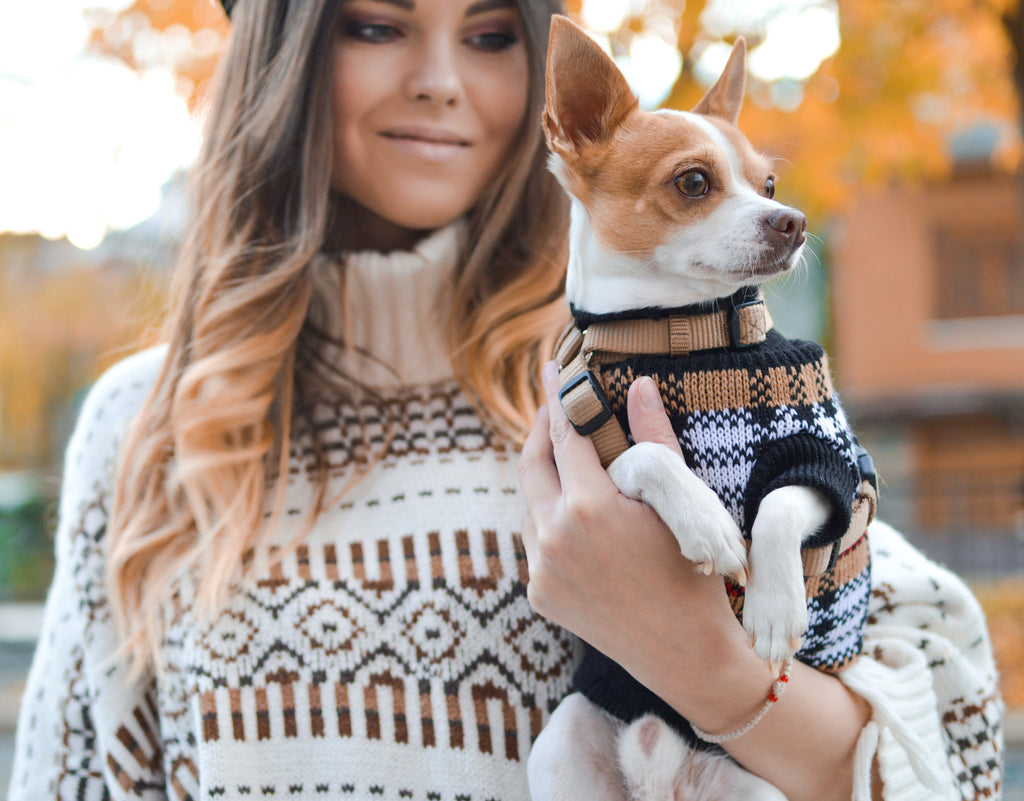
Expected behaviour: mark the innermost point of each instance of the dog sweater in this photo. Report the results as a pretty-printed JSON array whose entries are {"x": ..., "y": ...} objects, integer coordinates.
[{"x": 750, "y": 420}]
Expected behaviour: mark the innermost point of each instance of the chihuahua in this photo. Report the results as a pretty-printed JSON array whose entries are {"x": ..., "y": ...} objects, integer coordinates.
[{"x": 673, "y": 228}]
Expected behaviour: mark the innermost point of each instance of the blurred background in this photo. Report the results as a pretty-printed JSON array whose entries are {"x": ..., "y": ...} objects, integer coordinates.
[{"x": 898, "y": 129}]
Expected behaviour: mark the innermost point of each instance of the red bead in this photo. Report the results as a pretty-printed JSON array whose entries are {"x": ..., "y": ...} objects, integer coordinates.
[{"x": 773, "y": 698}]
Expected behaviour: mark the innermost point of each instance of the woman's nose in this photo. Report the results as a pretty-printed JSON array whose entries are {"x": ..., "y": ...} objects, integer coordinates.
[{"x": 435, "y": 77}]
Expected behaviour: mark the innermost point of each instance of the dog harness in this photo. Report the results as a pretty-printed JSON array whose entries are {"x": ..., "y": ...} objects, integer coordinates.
[{"x": 752, "y": 411}]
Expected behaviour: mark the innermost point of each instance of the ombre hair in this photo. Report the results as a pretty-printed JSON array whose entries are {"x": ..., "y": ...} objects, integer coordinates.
[{"x": 209, "y": 449}]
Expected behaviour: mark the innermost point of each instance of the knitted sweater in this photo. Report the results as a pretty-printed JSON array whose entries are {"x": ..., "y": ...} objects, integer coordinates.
[{"x": 395, "y": 656}]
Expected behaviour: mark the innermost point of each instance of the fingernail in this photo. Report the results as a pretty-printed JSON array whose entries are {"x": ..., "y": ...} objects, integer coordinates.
[
  {"x": 549, "y": 375},
  {"x": 650, "y": 398}
]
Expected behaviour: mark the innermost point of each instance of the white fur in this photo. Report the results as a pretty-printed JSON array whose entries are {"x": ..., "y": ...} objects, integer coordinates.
[
  {"x": 707, "y": 534},
  {"x": 573, "y": 759},
  {"x": 586, "y": 755},
  {"x": 699, "y": 263},
  {"x": 657, "y": 764},
  {"x": 775, "y": 604}
]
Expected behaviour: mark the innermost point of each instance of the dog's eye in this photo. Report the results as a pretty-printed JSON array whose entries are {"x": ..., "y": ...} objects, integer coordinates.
[
  {"x": 693, "y": 183},
  {"x": 769, "y": 188}
]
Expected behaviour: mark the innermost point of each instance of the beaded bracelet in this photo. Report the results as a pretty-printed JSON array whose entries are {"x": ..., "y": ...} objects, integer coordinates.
[{"x": 774, "y": 694}]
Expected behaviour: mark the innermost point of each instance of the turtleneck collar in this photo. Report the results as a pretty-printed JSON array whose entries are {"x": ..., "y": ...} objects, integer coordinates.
[{"x": 392, "y": 310}]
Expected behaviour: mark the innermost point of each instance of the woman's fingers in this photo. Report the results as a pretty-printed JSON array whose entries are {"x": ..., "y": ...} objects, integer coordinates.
[
  {"x": 578, "y": 464},
  {"x": 538, "y": 476},
  {"x": 648, "y": 421}
]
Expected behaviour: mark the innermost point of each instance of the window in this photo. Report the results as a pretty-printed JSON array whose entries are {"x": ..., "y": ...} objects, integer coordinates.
[{"x": 980, "y": 273}]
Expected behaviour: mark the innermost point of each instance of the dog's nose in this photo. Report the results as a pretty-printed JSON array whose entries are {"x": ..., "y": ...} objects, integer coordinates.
[{"x": 790, "y": 223}]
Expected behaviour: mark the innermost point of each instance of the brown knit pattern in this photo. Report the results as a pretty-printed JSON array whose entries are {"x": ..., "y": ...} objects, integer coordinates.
[{"x": 741, "y": 388}]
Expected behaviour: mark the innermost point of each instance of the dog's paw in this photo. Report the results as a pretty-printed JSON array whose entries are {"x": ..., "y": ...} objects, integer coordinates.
[
  {"x": 706, "y": 533},
  {"x": 775, "y": 619},
  {"x": 651, "y": 757},
  {"x": 708, "y": 536}
]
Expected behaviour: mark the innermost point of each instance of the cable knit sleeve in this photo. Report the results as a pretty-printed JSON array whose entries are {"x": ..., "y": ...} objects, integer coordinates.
[
  {"x": 929, "y": 675},
  {"x": 78, "y": 713}
]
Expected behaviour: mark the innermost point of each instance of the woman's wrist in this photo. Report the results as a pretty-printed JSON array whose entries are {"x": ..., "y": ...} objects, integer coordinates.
[
  {"x": 727, "y": 691},
  {"x": 696, "y": 656},
  {"x": 775, "y": 693}
]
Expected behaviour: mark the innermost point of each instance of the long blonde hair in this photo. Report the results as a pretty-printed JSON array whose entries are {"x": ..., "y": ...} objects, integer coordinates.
[{"x": 210, "y": 445}]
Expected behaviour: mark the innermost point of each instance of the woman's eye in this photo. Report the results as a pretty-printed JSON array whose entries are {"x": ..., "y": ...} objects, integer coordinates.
[
  {"x": 693, "y": 183},
  {"x": 769, "y": 188},
  {"x": 493, "y": 41},
  {"x": 372, "y": 32}
]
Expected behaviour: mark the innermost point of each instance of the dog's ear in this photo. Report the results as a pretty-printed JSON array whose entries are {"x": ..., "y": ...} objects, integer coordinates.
[
  {"x": 587, "y": 96},
  {"x": 725, "y": 98}
]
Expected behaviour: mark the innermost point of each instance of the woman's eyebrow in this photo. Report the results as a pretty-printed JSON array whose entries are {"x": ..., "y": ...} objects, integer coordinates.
[
  {"x": 477, "y": 8},
  {"x": 408, "y": 5},
  {"x": 489, "y": 5}
]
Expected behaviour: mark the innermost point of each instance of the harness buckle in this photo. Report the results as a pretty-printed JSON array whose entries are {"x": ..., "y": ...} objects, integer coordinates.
[
  {"x": 733, "y": 317},
  {"x": 602, "y": 417},
  {"x": 866, "y": 465}
]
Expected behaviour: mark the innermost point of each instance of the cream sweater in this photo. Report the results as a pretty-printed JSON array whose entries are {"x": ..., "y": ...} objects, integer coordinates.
[{"x": 394, "y": 655}]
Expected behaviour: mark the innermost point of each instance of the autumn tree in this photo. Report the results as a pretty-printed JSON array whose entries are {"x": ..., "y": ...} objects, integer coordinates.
[
  {"x": 905, "y": 77},
  {"x": 56, "y": 330}
]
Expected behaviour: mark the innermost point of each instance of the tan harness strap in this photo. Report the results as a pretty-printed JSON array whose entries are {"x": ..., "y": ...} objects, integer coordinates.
[
  {"x": 741, "y": 326},
  {"x": 587, "y": 408}
]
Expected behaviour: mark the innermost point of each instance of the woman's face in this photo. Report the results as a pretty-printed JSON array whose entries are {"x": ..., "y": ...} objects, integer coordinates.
[{"x": 427, "y": 99}]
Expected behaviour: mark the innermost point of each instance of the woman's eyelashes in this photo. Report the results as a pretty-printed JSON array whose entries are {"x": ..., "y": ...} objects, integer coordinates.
[
  {"x": 376, "y": 32},
  {"x": 371, "y": 32},
  {"x": 493, "y": 41}
]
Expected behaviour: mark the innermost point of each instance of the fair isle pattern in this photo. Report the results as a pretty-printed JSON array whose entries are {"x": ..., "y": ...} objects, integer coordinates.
[
  {"x": 405, "y": 425},
  {"x": 78, "y": 770},
  {"x": 749, "y": 421},
  {"x": 372, "y": 656},
  {"x": 965, "y": 680},
  {"x": 837, "y": 603},
  {"x": 724, "y": 418},
  {"x": 420, "y": 640}
]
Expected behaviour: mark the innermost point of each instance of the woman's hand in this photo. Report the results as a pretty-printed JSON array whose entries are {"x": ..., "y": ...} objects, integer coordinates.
[{"x": 605, "y": 567}]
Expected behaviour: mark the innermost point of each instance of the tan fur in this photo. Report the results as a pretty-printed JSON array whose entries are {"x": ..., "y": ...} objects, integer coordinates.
[
  {"x": 724, "y": 99},
  {"x": 631, "y": 177}
]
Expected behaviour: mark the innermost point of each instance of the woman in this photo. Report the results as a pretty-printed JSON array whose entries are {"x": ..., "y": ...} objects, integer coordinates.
[{"x": 297, "y": 571}]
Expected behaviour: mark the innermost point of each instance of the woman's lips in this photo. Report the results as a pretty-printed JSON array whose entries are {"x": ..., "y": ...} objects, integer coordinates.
[{"x": 429, "y": 144}]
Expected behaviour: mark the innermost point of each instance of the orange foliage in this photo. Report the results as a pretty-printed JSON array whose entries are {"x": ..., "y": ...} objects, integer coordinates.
[
  {"x": 58, "y": 330},
  {"x": 187, "y": 35},
  {"x": 905, "y": 76}
]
